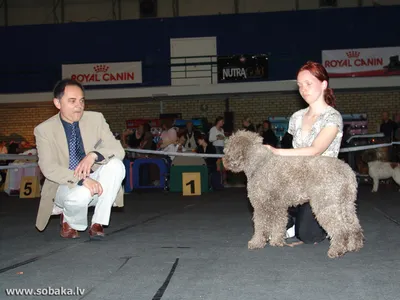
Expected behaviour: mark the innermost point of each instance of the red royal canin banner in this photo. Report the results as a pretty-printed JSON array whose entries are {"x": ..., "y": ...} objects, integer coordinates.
[
  {"x": 362, "y": 62},
  {"x": 105, "y": 73}
]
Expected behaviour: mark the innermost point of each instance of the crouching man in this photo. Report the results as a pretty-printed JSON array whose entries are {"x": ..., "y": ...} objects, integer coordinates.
[{"x": 82, "y": 163}]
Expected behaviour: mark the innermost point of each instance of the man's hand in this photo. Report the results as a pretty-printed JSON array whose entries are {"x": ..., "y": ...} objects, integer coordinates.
[
  {"x": 93, "y": 186},
  {"x": 83, "y": 169}
]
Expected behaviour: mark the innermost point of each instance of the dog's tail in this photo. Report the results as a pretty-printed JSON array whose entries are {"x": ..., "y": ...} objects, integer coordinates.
[{"x": 349, "y": 185}]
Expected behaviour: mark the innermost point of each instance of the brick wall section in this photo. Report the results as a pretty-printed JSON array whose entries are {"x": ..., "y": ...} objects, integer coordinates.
[{"x": 20, "y": 119}]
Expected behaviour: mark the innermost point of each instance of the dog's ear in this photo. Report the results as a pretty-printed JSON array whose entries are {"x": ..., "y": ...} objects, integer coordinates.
[{"x": 242, "y": 145}]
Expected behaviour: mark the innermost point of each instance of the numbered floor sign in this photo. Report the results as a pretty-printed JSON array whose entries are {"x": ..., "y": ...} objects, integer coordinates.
[
  {"x": 30, "y": 187},
  {"x": 191, "y": 184}
]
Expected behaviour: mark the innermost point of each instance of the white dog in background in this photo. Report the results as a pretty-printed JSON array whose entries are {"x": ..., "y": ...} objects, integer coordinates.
[{"x": 383, "y": 170}]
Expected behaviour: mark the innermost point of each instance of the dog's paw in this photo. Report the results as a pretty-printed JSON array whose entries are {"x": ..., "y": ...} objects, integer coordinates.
[
  {"x": 256, "y": 244},
  {"x": 279, "y": 243},
  {"x": 332, "y": 253}
]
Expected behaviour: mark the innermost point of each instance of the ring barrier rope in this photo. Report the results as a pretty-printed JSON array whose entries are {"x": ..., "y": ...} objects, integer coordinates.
[
  {"x": 342, "y": 150},
  {"x": 372, "y": 135},
  {"x": 158, "y": 152},
  {"x": 19, "y": 166},
  {"x": 191, "y": 154},
  {"x": 367, "y": 147},
  {"x": 17, "y": 157}
]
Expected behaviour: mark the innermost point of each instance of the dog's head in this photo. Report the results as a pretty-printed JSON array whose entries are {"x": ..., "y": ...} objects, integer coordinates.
[
  {"x": 369, "y": 155},
  {"x": 237, "y": 149}
]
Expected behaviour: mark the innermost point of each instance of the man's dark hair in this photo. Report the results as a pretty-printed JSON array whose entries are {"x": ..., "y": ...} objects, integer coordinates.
[{"x": 59, "y": 89}]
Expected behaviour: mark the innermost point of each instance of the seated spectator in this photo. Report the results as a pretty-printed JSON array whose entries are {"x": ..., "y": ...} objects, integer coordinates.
[
  {"x": 169, "y": 142},
  {"x": 207, "y": 148},
  {"x": 147, "y": 141},
  {"x": 132, "y": 138},
  {"x": 182, "y": 140},
  {"x": 13, "y": 148}
]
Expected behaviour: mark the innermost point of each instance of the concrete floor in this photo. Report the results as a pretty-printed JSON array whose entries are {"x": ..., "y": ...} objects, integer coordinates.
[{"x": 170, "y": 247}]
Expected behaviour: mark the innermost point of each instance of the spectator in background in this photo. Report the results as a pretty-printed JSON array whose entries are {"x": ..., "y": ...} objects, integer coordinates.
[
  {"x": 132, "y": 138},
  {"x": 397, "y": 132},
  {"x": 388, "y": 126},
  {"x": 3, "y": 150},
  {"x": 269, "y": 137},
  {"x": 14, "y": 148},
  {"x": 3, "y": 147},
  {"x": 346, "y": 135},
  {"x": 396, "y": 138},
  {"x": 190, "y": 135},
  {"x": 248, "y": 125},
  {"x": 217, "y": 135},
  {"x": 287, "y": 141},
  {"x": 170, "y": 143},
  {"x": 205, "y": 147},
  {"x": 147, "y": 142}
]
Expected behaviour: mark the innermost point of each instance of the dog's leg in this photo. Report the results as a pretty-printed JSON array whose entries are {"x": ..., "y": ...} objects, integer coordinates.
[
  {"x": 278, "y": 218},
  {"x": 342, "y": 225},
  {"x": 375, "y": 184},
  {"x": 354, "y": 231},
  {"x": 330, "y": 219},
  {"x": 260, "y": 236}
]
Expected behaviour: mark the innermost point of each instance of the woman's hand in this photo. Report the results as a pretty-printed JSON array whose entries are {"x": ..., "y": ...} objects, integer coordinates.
[{"x": 273, "y": 150}]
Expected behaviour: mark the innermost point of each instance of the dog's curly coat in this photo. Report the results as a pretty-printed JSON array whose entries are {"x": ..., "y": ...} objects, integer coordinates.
[{"x": 275, "y": 183}]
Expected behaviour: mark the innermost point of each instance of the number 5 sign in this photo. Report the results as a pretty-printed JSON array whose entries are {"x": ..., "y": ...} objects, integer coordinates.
[
  {"x": 29, "y": 187},
  {"x": 191, "y": 184}
]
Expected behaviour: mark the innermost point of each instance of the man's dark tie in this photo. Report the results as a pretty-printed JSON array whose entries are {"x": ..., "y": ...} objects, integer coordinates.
[{"x": 74, "y": 153}]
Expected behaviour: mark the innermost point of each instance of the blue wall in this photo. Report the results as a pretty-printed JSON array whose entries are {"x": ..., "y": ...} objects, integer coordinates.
[{"x": 31, "y": 56}]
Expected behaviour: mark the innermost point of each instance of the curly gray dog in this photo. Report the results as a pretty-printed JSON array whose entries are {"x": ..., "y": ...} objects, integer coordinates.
[{"x": 274, "y": 183}]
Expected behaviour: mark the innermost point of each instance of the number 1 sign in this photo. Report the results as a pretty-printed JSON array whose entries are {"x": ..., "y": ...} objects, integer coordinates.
[{"x": 191, "y": 184}]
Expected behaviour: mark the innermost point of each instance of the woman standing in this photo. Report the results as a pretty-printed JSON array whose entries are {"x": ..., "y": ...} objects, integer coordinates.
[{"x": 217, "y": 135}]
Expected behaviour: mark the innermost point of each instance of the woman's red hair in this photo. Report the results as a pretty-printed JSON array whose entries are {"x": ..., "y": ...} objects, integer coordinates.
[{"x": 319, "y": 72}]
